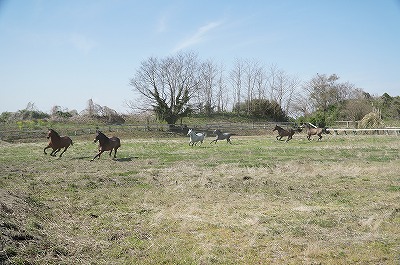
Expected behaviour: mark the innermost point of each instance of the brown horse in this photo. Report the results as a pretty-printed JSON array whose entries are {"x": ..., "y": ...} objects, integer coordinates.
[
  {"x": 315, "y": 131},
  {"x": 282, "y": 133},
  {"x": 57, "y": 142},
  {"x": 106, "y": 144}
]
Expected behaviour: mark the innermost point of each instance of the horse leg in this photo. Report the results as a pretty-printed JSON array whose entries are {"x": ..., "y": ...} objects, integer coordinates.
[
  {"x": 98, "y": 155},
  {"x": 309, "y": 137},
  {"x": 115, "y": 152},
  {"x": 214, "y": 141},
  {"x": 53, "y": 152},
  {"x": 110, "y": 152},
  {"x": 44, "y": 150},
  {"x": 65, "y": 149},
  {"x": 228, "y": 140},
  {"x": 320, "y": 136}
]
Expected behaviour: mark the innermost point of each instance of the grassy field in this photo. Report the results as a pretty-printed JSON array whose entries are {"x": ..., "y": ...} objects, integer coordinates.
[{"x": 258, "y": 201}]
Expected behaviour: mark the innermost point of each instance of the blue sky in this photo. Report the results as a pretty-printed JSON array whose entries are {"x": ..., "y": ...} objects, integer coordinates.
[{"x": 55, "y": 52}]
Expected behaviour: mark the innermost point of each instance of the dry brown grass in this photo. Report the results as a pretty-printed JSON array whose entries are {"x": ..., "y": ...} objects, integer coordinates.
[{"x": 258, "y": 201}]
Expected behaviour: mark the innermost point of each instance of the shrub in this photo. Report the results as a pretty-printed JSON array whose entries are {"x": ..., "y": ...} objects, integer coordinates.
[{"x": 371, "y": 121}]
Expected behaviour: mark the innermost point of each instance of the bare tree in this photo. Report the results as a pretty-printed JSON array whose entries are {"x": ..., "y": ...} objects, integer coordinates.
[
  {"x": 261, "y": 83},
  {"x": 282, "y": 87},
  {"x": 236, "y": 79},
  {"x": 301, "y": 105},
  {"x": 272, "y": 82},
  {"x": 222, "y": 92},
  {"x": 324, "y": 91},
  {"x": 254, "y": 79},
  {"x": 167, "y": 85},
  {"x": 92, "y": 109},
  {"x": 358, "y": 105},
  {"x": 249, "y": 82},
  {"x": 54, "y": 110},
  {"x": 208, "y": 86}
]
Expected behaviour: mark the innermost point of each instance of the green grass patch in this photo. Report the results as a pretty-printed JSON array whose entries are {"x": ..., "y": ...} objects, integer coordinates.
[
  {"x": 257, "y": 201},
  {"x": 394, "y": 188}
]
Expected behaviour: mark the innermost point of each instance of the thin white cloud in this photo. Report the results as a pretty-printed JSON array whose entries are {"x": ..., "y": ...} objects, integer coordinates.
[
  {"x": 198, "y": 36},
  {"x": 82, "y": 43},
  {"x": 162, "y": 24}
]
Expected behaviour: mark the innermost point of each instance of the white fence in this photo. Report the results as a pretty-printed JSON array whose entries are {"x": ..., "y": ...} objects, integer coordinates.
[
  {"x": 251, "y": 128},
  {"x": 179, "y": 129},
  {"x": 385, "y": 131}
]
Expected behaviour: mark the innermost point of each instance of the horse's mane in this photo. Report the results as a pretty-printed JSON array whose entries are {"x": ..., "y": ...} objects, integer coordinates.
[
  {"x": 102, "y": 136},
  {"x": 55, "y": 133}
]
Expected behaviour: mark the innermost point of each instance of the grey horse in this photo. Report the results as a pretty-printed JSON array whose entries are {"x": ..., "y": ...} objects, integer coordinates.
[{"x": 222, "y": 136}]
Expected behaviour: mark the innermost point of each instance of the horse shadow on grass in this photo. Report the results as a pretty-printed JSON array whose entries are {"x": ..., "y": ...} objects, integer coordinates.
[
  {"x": 81, "y": 158},
  {"x": 122, "y": 159},
  {"x": 125, "y": 159}
]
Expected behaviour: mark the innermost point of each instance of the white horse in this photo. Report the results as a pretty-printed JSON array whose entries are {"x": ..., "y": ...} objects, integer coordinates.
[{"x": 195, "y": 137}]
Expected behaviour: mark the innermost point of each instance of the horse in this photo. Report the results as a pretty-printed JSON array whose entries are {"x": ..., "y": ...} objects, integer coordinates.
[
  {"x": 195, "y": 137},
  {"x": 57, "y": 142},
  {"x": 315, "y": 131},
  {"x": 106, "y": 144},
  {"x": 222, "y": 136},
  {"x": 282, "y": 133}
]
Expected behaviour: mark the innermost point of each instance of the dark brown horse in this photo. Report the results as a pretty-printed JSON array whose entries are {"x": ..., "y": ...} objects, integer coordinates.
[
  {"x": 283, "y": 133},
  {"x": 106, "y": 144},
  {"x": 315, "y": 131},
  {"x": 57, "y": 142}
]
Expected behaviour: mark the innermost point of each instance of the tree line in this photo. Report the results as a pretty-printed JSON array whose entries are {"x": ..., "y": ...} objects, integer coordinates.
[
  {"x": 92, "y": 113},
  {"x": 182, "y": 84}
]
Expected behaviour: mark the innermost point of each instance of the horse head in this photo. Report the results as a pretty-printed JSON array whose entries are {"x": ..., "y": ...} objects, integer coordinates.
[
  {"x": 52, "y": 132},
  {"x": 217, "y": 132},
  {"x": 101, "y": 137},
  {"x": 276, "y": 128},
  {"x": 98, "y": 132}
]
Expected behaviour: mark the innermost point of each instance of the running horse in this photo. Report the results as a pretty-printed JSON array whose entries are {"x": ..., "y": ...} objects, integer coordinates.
[
  {"x": 222, "y": 136},
  {"x": 283, "y": 133},
  {"x": 195, "y": 137},
  {"x": 57, "y": 142},
  {"x": 106, "y": 144},
  {"x": 315, "y": 131}
]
